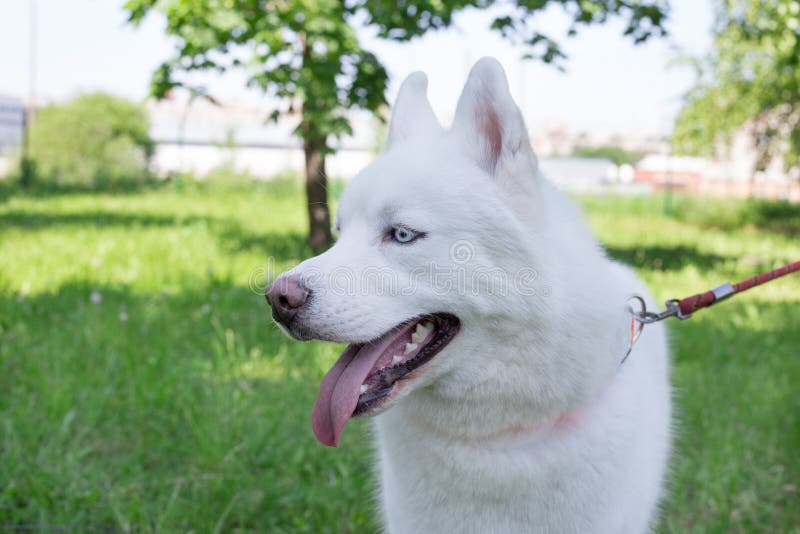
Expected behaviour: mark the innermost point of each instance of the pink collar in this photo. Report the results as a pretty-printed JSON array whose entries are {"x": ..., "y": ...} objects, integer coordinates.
[{"x": 560, "y": 422}]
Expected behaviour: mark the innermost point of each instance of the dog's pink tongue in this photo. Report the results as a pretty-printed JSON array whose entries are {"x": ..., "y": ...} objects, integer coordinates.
[{"x": 340, "y": 389}]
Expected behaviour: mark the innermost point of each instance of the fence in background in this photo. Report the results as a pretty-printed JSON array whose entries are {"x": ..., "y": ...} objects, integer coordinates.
[
  {"x": 263, "y": 160},
  {"x": 698, "y": 183}
]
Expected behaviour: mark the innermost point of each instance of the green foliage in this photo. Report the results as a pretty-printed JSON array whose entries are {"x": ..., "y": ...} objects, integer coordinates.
[
  {"x": 303, "y": 52},
  {"x": 93, "y": 140},
  {"x": 144, "y": 388},
  {"x": 403, "y": 21},
  {"x": 616, "y": 154},
  {"x": 751, "y": 82},
  {"x": 306, "y": 52},
  {"x": 642, "y": 21}
]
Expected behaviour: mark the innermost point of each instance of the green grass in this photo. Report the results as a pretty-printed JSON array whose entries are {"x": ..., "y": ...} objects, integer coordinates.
[{"x": 143, "y": 388}]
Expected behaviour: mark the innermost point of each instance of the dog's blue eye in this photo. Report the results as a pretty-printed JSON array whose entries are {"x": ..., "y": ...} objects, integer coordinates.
[{"x": 403, "y": 235}]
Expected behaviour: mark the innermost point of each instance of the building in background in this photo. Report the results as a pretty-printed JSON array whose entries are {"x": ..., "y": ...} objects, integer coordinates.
[
  {"x": 12, "y": 123},
  {"x": 730, "y": 176},
  {"x": 197, "y": 136}
]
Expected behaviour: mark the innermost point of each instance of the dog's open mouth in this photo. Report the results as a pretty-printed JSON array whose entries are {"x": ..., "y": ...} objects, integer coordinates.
[{"x": 365, "y": 375}]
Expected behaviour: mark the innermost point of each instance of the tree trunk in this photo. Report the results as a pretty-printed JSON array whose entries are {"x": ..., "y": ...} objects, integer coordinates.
[{"x": 319, "y": 218}]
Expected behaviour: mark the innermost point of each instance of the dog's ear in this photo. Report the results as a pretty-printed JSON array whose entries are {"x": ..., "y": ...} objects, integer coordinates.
[
  {"x": 412, "y": 114},
  {"x": 490, "y": 124}
]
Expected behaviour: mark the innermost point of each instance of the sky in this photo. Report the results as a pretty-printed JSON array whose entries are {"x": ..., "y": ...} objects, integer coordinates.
[{"x": 609, "y": 87}]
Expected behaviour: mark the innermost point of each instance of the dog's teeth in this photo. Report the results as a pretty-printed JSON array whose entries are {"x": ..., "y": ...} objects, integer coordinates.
[
  {"x": 422, "y": 331},
  {"x": 396, "y": 359},
  {"x": 410, "y": 347},
  {"x": 363, "y": 389}
]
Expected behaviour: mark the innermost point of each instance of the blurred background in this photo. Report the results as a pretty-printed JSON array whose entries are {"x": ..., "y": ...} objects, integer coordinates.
[{"x": 161, "y": 161}]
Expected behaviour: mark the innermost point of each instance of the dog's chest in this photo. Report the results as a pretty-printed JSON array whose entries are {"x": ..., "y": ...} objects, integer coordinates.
[{"x": 509, "y": 487}]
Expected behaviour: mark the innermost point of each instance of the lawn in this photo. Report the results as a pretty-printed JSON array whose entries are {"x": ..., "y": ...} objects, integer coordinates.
[{"x": 143, "y": 388}]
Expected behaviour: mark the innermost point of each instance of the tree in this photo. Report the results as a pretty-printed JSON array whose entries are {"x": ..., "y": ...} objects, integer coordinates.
[
  {"x": 95, "y": 139},
  {"x": 306, "y": 54},
  {"x": 750, "y": 82}
]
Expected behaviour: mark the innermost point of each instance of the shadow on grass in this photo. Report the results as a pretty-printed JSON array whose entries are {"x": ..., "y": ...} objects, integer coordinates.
[
  {"x": 100, "y": 219},
  {"x": 10, "y": 187},
  {"x": 734, "y": 214},
  {"x": 233, "y": 238},
  {"x": 286, "y": 186},
  {"x": 664, "y": 258},
  {"x": 167, "y": 412},
  {"x": 781, "y": 217},
  {"x": 281, "y": 246}
]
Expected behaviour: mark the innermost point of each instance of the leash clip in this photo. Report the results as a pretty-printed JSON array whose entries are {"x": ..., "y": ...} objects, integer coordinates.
[
  {"x": 642, "y": 316},
  {"x": 647, "y": 317}
]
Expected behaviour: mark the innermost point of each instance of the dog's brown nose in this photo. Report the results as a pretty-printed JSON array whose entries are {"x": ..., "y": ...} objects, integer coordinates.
[{"x": 286, "y": 296}]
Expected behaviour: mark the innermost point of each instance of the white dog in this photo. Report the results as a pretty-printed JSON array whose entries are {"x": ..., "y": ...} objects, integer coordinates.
[{"x": 487, "y": 327}]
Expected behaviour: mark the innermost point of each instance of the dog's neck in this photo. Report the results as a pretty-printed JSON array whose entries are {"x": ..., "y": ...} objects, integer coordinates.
[
  {"x": 517, "y": 391},
  {"x": 479, "y": 419},
  {"x": 515, "y": 431}
]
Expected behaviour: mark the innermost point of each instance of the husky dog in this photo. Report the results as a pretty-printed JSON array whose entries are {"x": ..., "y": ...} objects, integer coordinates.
[{"x": 485, "y": 329}]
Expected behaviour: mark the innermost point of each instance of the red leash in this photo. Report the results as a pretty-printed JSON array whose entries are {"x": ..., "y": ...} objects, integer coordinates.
[
  {"x": 689, "y": 305},
  {"x": 684, "y": 308}
]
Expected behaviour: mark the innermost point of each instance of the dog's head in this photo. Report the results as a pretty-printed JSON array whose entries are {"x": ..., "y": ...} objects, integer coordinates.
[{"x": 434, "y": 256}]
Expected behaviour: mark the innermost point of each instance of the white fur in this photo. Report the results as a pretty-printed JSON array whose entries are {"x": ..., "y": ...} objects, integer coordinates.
[{"x": 471, "y": 444}]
